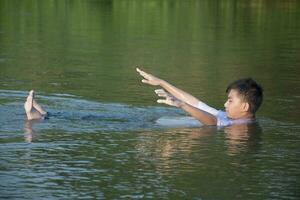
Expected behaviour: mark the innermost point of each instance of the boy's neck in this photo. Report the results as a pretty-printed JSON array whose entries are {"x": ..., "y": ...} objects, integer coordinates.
[{"x": 249, "y": 116}]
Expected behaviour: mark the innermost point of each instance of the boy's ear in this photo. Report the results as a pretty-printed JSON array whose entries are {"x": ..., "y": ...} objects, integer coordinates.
[{"x": 246, "y": 106}]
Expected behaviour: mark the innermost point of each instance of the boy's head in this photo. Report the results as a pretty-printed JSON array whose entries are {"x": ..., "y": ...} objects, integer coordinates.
[{"x": 244, "y": 98}]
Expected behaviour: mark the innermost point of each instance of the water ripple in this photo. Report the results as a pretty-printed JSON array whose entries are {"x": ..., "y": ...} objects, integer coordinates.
[{"x": 76, "y": 115}]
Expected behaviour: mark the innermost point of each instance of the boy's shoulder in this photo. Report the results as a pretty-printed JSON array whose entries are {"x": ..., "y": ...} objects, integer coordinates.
[{"x": 224, "y": 120}]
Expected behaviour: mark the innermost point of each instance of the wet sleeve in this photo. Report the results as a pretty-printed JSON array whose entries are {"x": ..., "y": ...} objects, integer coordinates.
[
  {"x": 206, "y": 108},
  {"x": 222, "y": 119}
]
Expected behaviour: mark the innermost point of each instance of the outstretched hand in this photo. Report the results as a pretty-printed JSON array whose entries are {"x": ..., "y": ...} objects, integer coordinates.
[
  {"x": 169, "y": 99},
  {"x": 149, "y": 78}
]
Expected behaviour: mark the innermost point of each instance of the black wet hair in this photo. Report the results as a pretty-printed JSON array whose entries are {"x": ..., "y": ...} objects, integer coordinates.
[{"x": 250, "y": 91}]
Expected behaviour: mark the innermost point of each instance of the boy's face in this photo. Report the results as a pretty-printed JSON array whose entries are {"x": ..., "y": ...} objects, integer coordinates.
[{"x": 235, "y": 107}]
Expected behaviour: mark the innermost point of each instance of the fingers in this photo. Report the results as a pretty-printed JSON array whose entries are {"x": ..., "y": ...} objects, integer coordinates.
[
  {"x": 144, "y": 74},
  {"x": 170, "y": 100},
  {"x": 141, "y": 72},
  {"x": 162, "y": 93},
  {"x": 145, "y": 81},
  {"x": 162, "y": 101},
  {"x": 167, "y": 101},
  {"x": 31, "y": 93},
  {"x": 148, "y": 78},
  {"x": 138, "y": 70}
]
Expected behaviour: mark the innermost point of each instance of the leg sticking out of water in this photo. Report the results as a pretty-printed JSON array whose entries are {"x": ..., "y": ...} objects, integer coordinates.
[{"x": 33, "y": 109}]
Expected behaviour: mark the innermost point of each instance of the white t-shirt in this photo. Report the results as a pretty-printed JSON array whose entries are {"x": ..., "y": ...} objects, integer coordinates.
[{"x": 222, "y": 119}]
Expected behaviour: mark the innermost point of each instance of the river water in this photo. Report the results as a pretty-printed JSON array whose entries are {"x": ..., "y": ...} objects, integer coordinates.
[{"x": 106, "y": 138}]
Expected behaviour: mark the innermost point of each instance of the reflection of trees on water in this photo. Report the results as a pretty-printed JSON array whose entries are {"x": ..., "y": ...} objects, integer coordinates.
[{"x": 67, "y": 42}]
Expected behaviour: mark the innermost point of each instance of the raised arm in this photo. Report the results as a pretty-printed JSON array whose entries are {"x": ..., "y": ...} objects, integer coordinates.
[
  {"x": 204, "y": 117},
  {"x": 176, "y": 92},
  {"x": 201, "y": 115}
]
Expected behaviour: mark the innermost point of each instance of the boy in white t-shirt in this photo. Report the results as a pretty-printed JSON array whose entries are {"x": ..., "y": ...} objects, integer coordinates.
[{"x": 244, "y": 98}]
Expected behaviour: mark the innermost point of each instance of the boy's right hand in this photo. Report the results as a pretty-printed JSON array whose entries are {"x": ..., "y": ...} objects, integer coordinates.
[
  {"x": 149, "y": 78},
  {"x": 169, "y": 99}
]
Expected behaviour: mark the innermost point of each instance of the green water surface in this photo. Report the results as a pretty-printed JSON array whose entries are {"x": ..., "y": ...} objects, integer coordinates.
[{"x": 80, "y": 56}]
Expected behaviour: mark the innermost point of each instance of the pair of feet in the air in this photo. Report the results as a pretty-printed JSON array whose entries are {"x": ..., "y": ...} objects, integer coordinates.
[{"x": 32, "y": 108}]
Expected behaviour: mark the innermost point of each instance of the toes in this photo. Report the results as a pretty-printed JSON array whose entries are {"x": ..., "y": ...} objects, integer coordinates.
[{"x": 31, "y": 93}]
